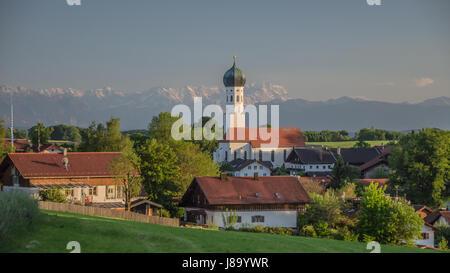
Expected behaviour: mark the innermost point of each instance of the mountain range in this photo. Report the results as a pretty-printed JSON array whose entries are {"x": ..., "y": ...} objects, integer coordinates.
[{"x": 136, "y": 109}]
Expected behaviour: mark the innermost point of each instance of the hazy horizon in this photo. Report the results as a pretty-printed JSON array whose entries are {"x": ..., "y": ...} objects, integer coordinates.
[{"x": 317, "y": 50}]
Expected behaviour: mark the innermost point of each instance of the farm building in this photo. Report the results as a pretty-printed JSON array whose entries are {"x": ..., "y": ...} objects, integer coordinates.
[{"x": 268, "y": 201}]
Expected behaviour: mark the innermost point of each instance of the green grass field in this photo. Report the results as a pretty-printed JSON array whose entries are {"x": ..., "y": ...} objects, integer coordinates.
[
  {"x": 100, "y": 234},
  {"x": 346, "y": 144}
]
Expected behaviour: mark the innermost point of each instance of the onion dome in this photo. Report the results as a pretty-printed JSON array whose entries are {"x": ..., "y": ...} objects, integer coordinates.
[{"x": 234, "y": 76}]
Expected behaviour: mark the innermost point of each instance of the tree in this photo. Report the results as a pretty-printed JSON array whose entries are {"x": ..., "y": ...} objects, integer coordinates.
[
  {"x": 125, "y": 169},
  {"x": 207, "y": 146},
  {"x": 380, "y": 173},
  {"x": 193, "y": 162},
  {"x": 40, "y": 135},
  {"x": 53, "y": 195},
  {"x": 325, "y": 208},
  {"x": 361, "y": 144},
  {"x": 3, "y": 148},
  {"x": 385, "y": 220},
  {"x": 420, "y": 166},
  {"x": 98, "y": 138},
  {"x": 343, "y": 173},
  {"x": 160, "y": 128},
  {"x": 160, "y": 172},
  {"x": 280, "y": 171}
]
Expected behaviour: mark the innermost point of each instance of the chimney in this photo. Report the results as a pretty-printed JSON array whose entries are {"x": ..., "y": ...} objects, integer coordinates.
[
  {"x": 65, "y": 160},
  {"x": 338, "y": 151},
  {"x": 223, "y": 176},
  {"x": 255, "y": 176}
]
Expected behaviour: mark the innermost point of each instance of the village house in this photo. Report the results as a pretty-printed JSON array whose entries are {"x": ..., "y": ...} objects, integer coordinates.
[
  {"x": 381, "y": 161},
  {"x": 84, "y": 177},
  {"x": 25, "y": 146},
  {"x": 248, "y": 167},
  {"x": 438, "y": 217},
  {"x": 312, "y": 162},
  {"x": 427, "y": 233},
  {"x": 267, "y": 201},
  {"x": 357, "y": 156}
]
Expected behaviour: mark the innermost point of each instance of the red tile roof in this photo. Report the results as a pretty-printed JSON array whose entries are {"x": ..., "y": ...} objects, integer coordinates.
[
  {"x": 50, "y": 164},
  {"x": 19, "y": 144},
  {"x": 287, "y": 136},
  {"x": 244, "y": 190},
  {"x": 380, "y": 182}
]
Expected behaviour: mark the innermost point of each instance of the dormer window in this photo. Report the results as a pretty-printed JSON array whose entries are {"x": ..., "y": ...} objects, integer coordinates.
[
  {"x": 258, "y": 195},
  {"x": 277, "y": 195}
]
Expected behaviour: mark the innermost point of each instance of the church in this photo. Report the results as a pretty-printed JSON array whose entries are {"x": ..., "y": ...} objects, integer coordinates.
[{"x": 247, "y": 147}]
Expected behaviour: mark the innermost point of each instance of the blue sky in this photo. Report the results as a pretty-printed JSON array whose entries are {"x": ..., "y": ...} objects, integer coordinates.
[{"x": 317, "y": 49}]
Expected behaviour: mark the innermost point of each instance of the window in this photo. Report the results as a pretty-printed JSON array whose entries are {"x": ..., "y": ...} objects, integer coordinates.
[
  {"x": 110, "y": 192},
  {"x": 239, "y": 219},
  {"x": 317, "y": 166},
  {"x": 231, "y": 98},
  {"x": 425, "y": 235},
  {"x": 249, "y": 167},
  {"x": 258, "y": 219},
  {"x": 93, "y": 191},
  {"x": 119, "y": 191},
  {"x": 272, "y": 155},
  {"x": 323, "y": 167},
  {"x": 235, "y": 155},
  {"x": 284, "y": 156},
  {"x": 237, "y": 98},
  {"x": 260, "y": 155},
  {"x": 226, "y": 156},
  {"x": 245, "y": 155}
]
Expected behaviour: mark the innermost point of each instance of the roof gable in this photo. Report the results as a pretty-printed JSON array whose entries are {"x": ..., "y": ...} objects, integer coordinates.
[
  {"x": 50, "y": 164},
  {"x": 244, "y": 190}
]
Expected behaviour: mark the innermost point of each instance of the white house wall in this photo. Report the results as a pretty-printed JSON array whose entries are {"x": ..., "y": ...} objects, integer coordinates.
[
  {"x": 426, "y": 242},
  {"x": 272, "y": 218},
  {"x": 250, "y": 170}
]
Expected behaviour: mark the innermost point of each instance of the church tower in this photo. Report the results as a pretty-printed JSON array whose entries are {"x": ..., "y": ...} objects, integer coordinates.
[{"x": 234, "y": 81}]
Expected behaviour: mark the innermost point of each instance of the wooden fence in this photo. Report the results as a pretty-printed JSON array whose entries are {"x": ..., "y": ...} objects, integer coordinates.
[{"x": 87, "y": 210}]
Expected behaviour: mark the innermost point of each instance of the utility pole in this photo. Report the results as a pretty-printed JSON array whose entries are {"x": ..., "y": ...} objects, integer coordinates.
[{"x": 12, "y": 124}]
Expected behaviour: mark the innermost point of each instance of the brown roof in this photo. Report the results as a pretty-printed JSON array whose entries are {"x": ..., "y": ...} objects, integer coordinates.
[
  {"x": 382, "y": 158},
  {"x": 19, "y": 144},
  {"x": 434, "y": 216},
  {"x": 324, "y": 179},
  {"x": 246, "y": 190},
  {"x": 380, "y": 182},
  {"x": 287, "y": 136},
  {"x": 50, "y": 164}
]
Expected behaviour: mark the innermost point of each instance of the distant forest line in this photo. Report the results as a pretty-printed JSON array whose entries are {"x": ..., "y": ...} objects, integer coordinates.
[{"x": 71, "y": 133}]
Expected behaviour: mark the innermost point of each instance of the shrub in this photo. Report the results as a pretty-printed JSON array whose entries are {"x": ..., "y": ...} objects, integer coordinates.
[
  {"x": 19, "y": 213},
  {"x": 164, "y": 213},
  {"x": 443, "y": 232},
  {"x": 311, "y": 186},
  {"x": 443, "y": 244},
  {"x": 308, "y": 231},
  {"x": 270, "y": 230},
  {"x": 53, "y": 195},
  {"x": 322, "y": 229}
]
